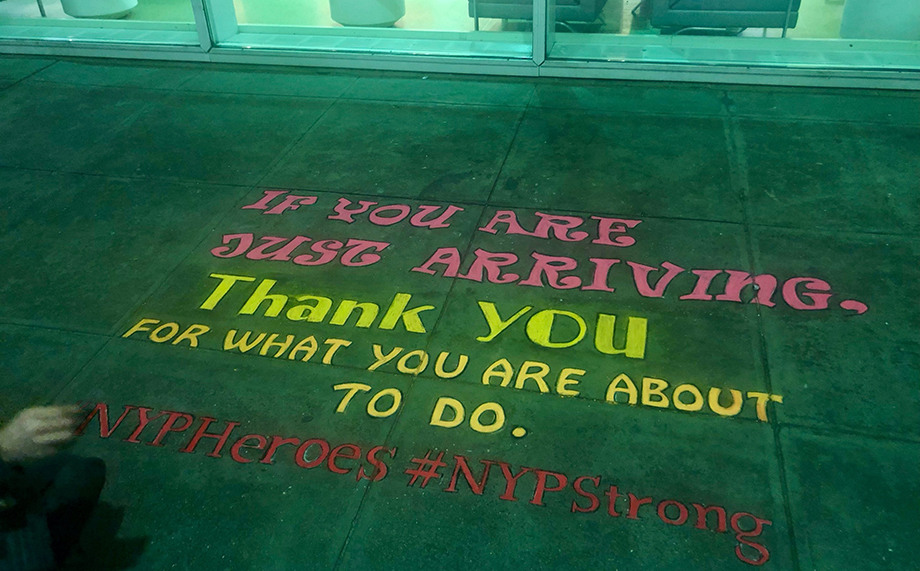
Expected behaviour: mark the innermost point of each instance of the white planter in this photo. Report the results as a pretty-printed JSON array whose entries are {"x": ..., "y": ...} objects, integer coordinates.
[
  {"x": 367, "y": 12},
  {"x": 881, "y": 20},
  {"x": 98, "y": 8}
]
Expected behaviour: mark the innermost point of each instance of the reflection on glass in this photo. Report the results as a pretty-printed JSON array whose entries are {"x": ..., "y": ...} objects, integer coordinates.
[
  {"x": 681, "y": 30},
  {"x": 128, "y": 10}
]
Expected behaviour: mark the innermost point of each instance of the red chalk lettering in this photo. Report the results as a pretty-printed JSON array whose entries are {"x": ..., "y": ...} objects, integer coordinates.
[
  {"x": 291, "y": 202},
  {"x": 511, "y": 481},
  {"x": 447, "y": 257},
  {"x": 226, "y": 251},
  {"x": 200, "y": 433},
  {"x": 267, "y": 197},
  {"x": 345, "y": 451},
  {"x": 102, "y": 410},
  {"x": 541, "y": 488},
  {"x": 277, "y": 442},
  {"x": 380, "y": 467},
  {"x": 491, "y": 263},
  {"x": 462, "y": 466},
  {"x": 418, "y": 220},
  {"x": 702, "y": 512},
  {"x": 560, "y": 226},
  {"x": 704, "y": 280},
  {"x": 607, "y": 227},
  {"x": 634, "y": 505},
  {"x": 764, "y": 285},
  {"x": 595, "y": 503},
  {"x": 640, "y": 277},
  {"x": 550, "y": 266},
  {"x": 300, "y": 457},
  {"x": 261, "y": 441},
  {"x": 170, "y": 426},
  {"x": 742, "y": 536},
  {"x": 601, "y": 270},
  {"x": 342, "y": 212},
  {"x": 682, "y": 512},
  {"x": 356, "y": 253},
  {"x": 509, "y": 219},
  {"x": 612, "y": 496},
  {"x": 327, "y": 250},
  {"x": 377, "y": 216},
  {"x": 818, "y": 300},
  {"x": 143, "y": 421},
  {"x": 282, "y": 254}
]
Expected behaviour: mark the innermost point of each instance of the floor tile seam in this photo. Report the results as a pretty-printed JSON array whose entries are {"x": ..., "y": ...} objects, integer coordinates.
[
  {"x": 289, "y": 148},
  {"x": 911, "y": 236},
  {"x": 813, "y": 121},
  {"x": 367, "y": 489},
  {"x": 100, "y": 85},
  {"x": 431, "y": 103},
  {"x": 508, "y": 151},
  {"x": 454, "y": 280},
  {"x": 626, "y": 112},
  {"x": 838, "y": 431},
  {"x": 14, "y": 82},
  {"x": 167, "y": 275},
  {"x": 73, "y": 378},
  {"x": 28, "y": 324},
  {"x": 183, "y": 90},
  {"x": 739, "y": 170},
  {"x": 138, "y": 178}
]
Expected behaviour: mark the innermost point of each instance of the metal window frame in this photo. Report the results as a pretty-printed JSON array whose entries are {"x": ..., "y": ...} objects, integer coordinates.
[{"x": 211, "y": 27}]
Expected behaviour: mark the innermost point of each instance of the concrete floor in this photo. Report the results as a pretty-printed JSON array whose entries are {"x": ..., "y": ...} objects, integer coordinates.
[{"x": 130, "y": 192}]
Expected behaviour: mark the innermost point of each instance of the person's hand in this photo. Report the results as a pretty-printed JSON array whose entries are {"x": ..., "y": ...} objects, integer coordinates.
[{"x": 38, "y": 433}]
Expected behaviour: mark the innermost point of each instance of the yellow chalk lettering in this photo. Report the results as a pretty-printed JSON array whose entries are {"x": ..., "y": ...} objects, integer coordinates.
[
  {"x": 275, "y": 301},
  {"x": 381, "y": 358},
  {"x": 403, "y": 365},
  {"x": 439, "y": 366},
  {"x": 762, "y": 400},
  {"x": 226, "y": 282},
  {"x": 495, "y": 322},
  {"x": 717, "y": 408},
  {"x": 334, "y": 345},
  {"x": 171, "y": 329},
  {"x": 537, "y": 375},
  {"x": 493, "y": 407},
  {"x": 372, "y": 405},
  {"x": 140, "y": 326},
  {"x": 308, "y": 345},
  {"x": 564, "y": 381},
  {"x": 636, "y": 333},
  {"x": 347, "y": 306},
  {"x": 501, "y": 369},
  {"x": 629, "y": 388},
  {"x": 540, "y": 328},
  {"x": 282, "y": 345},
  {"x": 191, "y": 334},
  {"x": 311, "y": 313},
  {"x": 410, "y": 318},
  {"x": 243, "y": 344},
  {"x": 352, "y": 389},
  {"x": 437, "y": 416},
  {"x": 697, "y": 403},
  {"x": 654, "y": 387}
]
